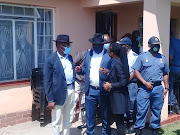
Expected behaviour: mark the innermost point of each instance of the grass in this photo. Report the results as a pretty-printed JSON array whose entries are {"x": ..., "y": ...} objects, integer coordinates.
[{"x": 171, "y": 129}]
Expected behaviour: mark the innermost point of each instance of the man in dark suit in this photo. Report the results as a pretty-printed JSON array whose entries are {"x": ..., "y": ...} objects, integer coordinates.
[
  {"x": 59, "y": 79},
  {"x": 96, "y": 60}
]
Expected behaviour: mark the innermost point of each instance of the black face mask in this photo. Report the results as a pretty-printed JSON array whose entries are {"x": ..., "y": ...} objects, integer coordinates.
[
  {"x": 155, "y": 48},
  {"x": 110, "y": 56},
  {"x": 98, "y": 49}
]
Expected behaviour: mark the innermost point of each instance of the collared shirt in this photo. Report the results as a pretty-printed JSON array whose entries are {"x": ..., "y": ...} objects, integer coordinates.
[
  {"x": 151, "y": 68},
  {"x": 67, "y": 66},
  {"x": 132, "y": 56},
  {"x": 175, "y": 52},
  {"x": 94, "y": 68}
]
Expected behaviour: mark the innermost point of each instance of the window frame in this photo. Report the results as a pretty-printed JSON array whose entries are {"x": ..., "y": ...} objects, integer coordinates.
[{"x": 35, "y": 22}]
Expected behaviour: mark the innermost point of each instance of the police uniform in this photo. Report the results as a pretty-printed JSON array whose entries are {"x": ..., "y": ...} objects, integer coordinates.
[
  {"x": 132, "y": 87},
  {"x": 151, "y": 69}
]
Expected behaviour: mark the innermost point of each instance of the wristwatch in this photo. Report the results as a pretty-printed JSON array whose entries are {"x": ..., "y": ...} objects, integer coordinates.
[{"x": 167, "y": 88}]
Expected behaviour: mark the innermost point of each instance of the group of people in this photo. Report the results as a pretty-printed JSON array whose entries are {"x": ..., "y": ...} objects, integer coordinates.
[{"x": 113, "y": 77}]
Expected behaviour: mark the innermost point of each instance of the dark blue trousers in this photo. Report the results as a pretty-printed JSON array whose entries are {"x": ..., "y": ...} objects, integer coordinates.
[
  {"x": 133, "y": 89},
  {"x": 91, "y": 102},
  {"x": 173, "y": 76},
  {"x": 154, "y": 100}
]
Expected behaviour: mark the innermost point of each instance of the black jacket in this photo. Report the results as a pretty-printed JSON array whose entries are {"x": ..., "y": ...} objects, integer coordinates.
[{"x": 119, "y": 96}]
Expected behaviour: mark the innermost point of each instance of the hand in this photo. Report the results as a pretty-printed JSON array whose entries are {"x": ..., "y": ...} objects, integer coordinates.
[
  {"x": 164, "y": 93},
  {"x": 107, "y": 86},
  {"x": 51, "y": 105},
  {"x": 78, "y": 68},
  {"x": 149, "y": 85},
  {"x": 104, "y": 70}
]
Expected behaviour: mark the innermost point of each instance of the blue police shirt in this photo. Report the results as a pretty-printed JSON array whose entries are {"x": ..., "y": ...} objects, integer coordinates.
[
  {"x": 175, "y": 52},
  {"x": 151, "y": 68}
]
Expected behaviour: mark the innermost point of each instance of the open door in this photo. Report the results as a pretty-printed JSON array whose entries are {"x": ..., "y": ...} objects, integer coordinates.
[{"x": 106, "y": 23}]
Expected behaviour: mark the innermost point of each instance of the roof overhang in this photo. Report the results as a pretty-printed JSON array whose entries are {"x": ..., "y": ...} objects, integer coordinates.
[{"x": 97, "y": 3}]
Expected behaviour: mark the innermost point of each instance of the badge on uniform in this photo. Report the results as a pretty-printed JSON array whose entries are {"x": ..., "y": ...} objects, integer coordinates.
[
  {"x": 147, "y": 60},
  {"x": 161, "y": 61}
]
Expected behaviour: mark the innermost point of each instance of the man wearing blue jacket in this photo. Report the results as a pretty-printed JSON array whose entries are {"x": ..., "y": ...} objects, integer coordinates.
[
  {"x": 59, "y": 79},
  {"x": 96, "y": 65}
]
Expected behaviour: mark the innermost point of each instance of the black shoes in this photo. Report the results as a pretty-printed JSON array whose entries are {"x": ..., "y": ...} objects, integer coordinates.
[
  {"x": 138, "y": 131},
  {"x": 155, "y": 132},
  {"x": 82, "y": 126},
  {"x": 173, "y": 109},
  {"x": 176, "y": 109},
  {"x": 130, "y": 130}
]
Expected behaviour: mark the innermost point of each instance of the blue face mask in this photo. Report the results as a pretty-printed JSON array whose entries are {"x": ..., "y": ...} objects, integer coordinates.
[
  {"x": 155, "y": 48},
  {"x": 67, "y": 50},
  {"x": 106, "y": 45},
  {"x": 138, "y": 39}
]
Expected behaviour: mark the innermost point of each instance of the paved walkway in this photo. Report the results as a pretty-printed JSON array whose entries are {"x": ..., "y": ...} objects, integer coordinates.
[{"x": 33, "y": 128}]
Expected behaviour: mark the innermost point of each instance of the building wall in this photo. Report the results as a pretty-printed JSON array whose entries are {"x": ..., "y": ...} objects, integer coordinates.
[
  {"x": 128, "y": 19},
  {"x": 15, "y": 98},
  {"x": 95, "y": 3},
  {"x": 79, "y": 23},
  {"x": 71, "y": 19}
]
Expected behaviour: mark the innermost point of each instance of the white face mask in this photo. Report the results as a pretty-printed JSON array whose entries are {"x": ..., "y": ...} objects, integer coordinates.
[{"x": 106, "y": 45}]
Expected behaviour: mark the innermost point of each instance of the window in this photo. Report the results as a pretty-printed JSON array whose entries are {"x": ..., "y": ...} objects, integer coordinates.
[
  {"x": 44, "y": 35},
  {"x": 26, "y": 35}
]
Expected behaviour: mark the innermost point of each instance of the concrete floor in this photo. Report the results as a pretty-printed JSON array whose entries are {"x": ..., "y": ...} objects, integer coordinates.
[{"x": 33, "y": 128}]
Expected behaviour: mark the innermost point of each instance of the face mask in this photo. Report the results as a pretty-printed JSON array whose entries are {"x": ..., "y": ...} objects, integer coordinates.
[
  {"x": 67, "y": 50},
  {"x": 98, "y": 49},
  {"x": 155, "y": 48},
  {"x": 106, "y": 45},
  {"x": 138, "y": 39}
]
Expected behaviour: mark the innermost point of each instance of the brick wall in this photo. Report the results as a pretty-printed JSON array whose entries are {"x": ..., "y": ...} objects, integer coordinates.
[{"x": 20, "y": 117}]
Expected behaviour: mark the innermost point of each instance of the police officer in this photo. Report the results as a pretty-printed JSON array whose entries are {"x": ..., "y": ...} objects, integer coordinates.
[
  {"x": 150, "y": 69},
  {"x": 132, "y": 87}
]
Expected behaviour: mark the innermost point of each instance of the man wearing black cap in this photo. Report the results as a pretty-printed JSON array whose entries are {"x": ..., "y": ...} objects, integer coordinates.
[
  {"x": 151, "y": 69},
  {"x": 59, "y": 79},
  {"x": 96, "y": 65}
]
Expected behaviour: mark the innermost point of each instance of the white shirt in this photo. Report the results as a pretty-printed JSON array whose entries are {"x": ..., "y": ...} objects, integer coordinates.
[
  {"x": 68, "y": 71},
  {"x": 132, "y": 56},
  {"x": 94, "y": 68}
]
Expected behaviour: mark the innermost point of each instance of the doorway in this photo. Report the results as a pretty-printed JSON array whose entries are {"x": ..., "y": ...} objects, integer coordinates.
[{"x": 106, "y": 23}]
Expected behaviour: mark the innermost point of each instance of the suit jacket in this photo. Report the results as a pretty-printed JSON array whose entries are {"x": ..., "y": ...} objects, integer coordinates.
[
  {"x": 54, "y": 79},
  {"x": 105, "y": 62},
  {"x": 119, "y": 96}
]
